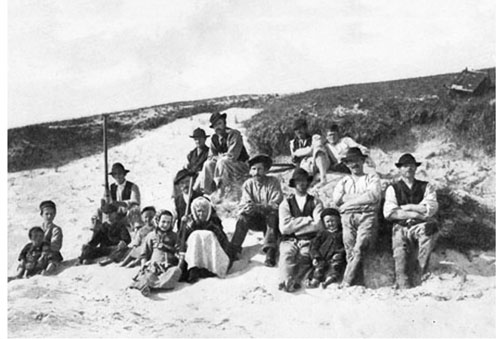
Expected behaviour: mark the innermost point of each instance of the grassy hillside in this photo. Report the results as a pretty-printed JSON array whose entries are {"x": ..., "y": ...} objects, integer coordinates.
[
  {"x": 375, "y": 113},
  {"x": 56, "y": 143}
]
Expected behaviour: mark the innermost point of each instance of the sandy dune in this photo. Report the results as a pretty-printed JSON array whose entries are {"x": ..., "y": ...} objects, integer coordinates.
[{"x": 92, "y": 301}]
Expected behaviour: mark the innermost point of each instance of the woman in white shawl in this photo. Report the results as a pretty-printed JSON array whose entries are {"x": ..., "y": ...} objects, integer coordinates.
[{"x": 207, "y": 253}]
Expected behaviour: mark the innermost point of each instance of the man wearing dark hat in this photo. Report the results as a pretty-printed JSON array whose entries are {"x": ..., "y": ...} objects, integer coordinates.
[
  {"x": 299, "y": 222},
  {"x": 123, "y": 193},
  {"x": 226, "y": 164},
  {"x": 182, "y": 180},
  {"x": 411, "y": 204},
  {"x": 197, "y": 157},
  {"x": 261, "y": 196},
  {"x": 357, "y": 197}
]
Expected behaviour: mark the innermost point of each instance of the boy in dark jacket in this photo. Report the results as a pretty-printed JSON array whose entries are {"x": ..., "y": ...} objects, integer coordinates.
[
  {"x": 110, "y": 238},
  {"x": 327, "y": 251},
  {"x": 35, "y": 256}
]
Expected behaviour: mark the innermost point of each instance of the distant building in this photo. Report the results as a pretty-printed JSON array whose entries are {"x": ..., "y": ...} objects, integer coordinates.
[{"x": 471, "y": 82}]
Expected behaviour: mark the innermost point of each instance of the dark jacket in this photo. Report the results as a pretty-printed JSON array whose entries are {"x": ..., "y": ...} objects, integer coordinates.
[
  {"x": 195, "y": 160},
  {"x": 107, "y": 234}
]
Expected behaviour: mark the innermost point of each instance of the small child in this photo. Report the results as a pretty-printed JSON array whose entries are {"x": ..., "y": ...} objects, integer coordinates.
[
  {"x": 141, "y": 230},
  {"x": 53, "y": 235},
  {"x": 158, "y": 257},
  {"x": 327, "y": 251},
  {"x": 35, "y": 256},
  {"x": 109, "y": 238}
]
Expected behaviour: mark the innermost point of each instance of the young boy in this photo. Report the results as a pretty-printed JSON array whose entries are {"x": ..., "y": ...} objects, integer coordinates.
[
  {"x": 327, "y": 251},
  {"x": 109, "y": 238},
  {"x": 35, "y": 256},
  {"x": 158, "y": 257},
  {"x": 142, "y": 229},
  {"x": 52, "y": 234}
]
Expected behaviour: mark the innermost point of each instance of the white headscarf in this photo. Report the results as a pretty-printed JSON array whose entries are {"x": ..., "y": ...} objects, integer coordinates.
[{"x": 204, "y": 203}]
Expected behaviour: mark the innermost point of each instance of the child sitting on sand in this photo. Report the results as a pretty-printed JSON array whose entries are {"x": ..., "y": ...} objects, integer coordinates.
[
  {"x": 141, "y": 230},
  {"x": 35, "y": 256},
  {"x": 52, "y": 235},
  {"x": 158, "y": 257},
  {"x": 327, "y": 251}
]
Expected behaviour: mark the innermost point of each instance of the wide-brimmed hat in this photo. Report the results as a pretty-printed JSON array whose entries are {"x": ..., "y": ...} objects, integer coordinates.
[
  {"x": 353, "y": 153},
  {"x": 199, "y": 133},
  {"x": 183, "y": 173},
  {"x": 47, "y": 203},
  {"x": 261, "y": 158},
  {"x": 117, "y": 166},
  {"x": 299, "y": 123},
  {"x": 216, "y": 117},
  {"x": 300, "y": 173},
  {"x": 407, "y": 159}
]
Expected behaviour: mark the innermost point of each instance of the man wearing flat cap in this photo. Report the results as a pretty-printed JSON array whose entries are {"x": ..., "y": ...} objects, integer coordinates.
[
  {"x": 411, "y": 204},
  {"x": 299, "y": 222},
  {"x": 123, "y": 193},
  {"x": 357, "y": 197},
  {"x": 226, "y": 164},
  {"x": 261, "y": 196}
]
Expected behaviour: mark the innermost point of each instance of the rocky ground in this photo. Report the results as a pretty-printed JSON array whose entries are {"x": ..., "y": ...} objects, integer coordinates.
[{"x": 458, "y": 300}]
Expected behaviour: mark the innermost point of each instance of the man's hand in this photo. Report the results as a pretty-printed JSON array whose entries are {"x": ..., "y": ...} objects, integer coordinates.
[
  {"x": 248, "y": 208},
  {"x": 121, "y": 245},
  {"x": 315, "y": 262}
]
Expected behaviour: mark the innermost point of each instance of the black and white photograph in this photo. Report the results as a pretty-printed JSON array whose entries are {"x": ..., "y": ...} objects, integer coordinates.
[{"x": 250, "y": 169}]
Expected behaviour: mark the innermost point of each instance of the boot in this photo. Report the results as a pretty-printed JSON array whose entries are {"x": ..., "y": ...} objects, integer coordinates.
[{"x": 270, "y": 258}]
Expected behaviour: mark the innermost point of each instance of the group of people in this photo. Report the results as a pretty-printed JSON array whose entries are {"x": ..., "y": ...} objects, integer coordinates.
[{"x": 311, "y": 244}]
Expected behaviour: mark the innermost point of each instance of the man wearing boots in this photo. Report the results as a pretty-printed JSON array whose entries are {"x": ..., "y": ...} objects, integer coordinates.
[
  {"x": 357, "y": 197},
  {"x": 411, "y": 204},
  {"x": 261, "y": 196}
]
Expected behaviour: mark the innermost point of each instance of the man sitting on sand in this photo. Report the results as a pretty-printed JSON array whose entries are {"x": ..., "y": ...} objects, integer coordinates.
[
  {"x": 261, "y": 196},
  {"x": 226, "y": 164},
  {"x": 299, "y": 222},
  {"x": 357, "y": 197},
  {"x": 411, "y": 204},
  {"x": 124, "y": 194}
]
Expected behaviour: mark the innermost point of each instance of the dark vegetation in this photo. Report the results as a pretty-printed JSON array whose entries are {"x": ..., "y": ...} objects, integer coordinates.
[
  {"x": 391, "y": 108},
  {"x": 56, "y": 143}
]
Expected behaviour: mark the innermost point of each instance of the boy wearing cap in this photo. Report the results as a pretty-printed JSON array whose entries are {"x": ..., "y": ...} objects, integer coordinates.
[
  {"x": 411, "y": 205},
  {"x": 109, "y": 238},
  {"x": 260, "y": 199},
  {"x": 226, "y": 163},
  {"x": 52, "y": 234},
  {"x": 123, "y": 193},
  {"x": 141, "y": 230},
  {"x": 299, "y": 222},
  {"x": 357, "y": 197},
  {"x": 327, "y": 251}
]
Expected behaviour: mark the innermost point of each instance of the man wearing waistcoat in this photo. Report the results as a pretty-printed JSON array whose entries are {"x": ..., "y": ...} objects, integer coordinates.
[
  {"x": 123, "y": 193},
  {"x": 357, "y": 197},
  {"x": 226, "y": 164},
  {"x": 299, "y": 222},
  {"x": 260, "y": 199},
  {"x": 411, "y": 204}
]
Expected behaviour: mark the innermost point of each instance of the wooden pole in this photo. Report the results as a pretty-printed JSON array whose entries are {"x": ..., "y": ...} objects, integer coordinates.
[{"x": 105, "y": 147}]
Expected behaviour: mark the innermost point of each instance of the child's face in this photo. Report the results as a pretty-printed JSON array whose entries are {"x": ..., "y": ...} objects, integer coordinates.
[
  {"x": 332, "y": 137},
  {"x": 48, "y": 214},
  {"x": 332, "y": 223},
  {"x": 37, "y": 238},
  {"x": 148, "y": 217},
  {"x": 165, "y": 223}
]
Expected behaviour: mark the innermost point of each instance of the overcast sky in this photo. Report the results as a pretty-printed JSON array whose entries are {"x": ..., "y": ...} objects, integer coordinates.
[{"x": 81, "y": 57}]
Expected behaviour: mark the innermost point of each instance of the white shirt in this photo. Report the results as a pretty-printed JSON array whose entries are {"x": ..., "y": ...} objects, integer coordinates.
[{"x": 301, "y": 201}]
